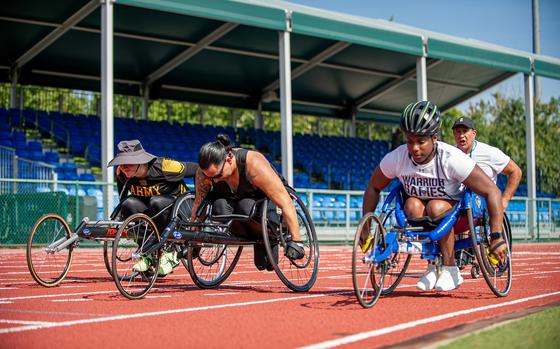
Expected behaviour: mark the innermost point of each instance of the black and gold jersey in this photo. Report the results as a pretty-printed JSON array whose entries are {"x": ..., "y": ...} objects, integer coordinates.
[{"x": 165, "y": 177}]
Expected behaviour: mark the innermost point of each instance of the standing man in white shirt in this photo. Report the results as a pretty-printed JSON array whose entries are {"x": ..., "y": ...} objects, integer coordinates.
[{"x": 490, "y": 159}]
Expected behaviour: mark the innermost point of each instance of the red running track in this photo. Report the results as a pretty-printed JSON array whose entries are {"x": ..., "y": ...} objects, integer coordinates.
[{"x": 252, "y": 309}]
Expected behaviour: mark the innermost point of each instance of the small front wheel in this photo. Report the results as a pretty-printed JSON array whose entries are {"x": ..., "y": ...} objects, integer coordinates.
[
  {"x": 49, "y": 265},
  {"x": 367, "y": 274}
]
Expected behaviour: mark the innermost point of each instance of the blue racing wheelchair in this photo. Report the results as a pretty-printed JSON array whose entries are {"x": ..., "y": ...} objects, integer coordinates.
[{"x": 394, "y": 239}]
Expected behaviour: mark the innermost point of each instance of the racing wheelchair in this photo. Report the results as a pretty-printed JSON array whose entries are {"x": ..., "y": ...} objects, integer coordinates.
[
  {"x": 51, "y": 244},
  {"x": 209, "y": 250},
  {"x": 394, "y": 240}
]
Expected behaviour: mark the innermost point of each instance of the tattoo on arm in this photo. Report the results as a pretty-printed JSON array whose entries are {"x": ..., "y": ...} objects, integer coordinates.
[{"x": 202, "y": 187}]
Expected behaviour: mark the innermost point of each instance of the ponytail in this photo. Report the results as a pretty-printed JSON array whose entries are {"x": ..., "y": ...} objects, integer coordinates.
[{"x": 214, "y": 152}]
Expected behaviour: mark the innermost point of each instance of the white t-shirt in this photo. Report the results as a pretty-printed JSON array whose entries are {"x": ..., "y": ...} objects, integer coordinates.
[
  {"x": 490, "y": 159},
  {"x": 439, "y": 178}
]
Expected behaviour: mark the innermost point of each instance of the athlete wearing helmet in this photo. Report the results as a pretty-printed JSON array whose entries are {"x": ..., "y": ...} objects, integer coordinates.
[{"x": 431, "y": 174}]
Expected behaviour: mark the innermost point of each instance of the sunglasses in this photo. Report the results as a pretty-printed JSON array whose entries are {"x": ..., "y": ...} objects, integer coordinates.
[{"x": 221, "y": 173}]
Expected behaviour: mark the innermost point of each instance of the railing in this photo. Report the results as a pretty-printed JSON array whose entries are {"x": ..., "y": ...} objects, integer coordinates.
[{"x": 335, "y": 213}]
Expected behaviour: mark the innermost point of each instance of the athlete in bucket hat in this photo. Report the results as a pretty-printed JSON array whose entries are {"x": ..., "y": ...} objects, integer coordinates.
[{"x": 150, "y": 184}]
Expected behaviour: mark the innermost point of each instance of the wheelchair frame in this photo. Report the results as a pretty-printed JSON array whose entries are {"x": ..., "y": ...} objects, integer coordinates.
[
  {"x": 389, "y": 246},
  {"x": 211, "y": 245}
]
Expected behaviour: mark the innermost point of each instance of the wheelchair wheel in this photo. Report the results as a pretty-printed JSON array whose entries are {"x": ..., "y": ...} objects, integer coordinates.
[
  {"x": 210, "y": 264},
  {"x": 498, "y": 277},
  {"x": 135, "y": 235},
  {"x": 398, "y": 263},
  {"x": 106, "y": 258},
  {"x": 298, "y": 275},
  {"x": 367, "y": 276},
  {"x": 48, "y": 267},
  {"x": 182, "y": 210}
]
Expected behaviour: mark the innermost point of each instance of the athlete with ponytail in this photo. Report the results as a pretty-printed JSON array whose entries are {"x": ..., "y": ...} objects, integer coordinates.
[{"x": 234, "y": 179}]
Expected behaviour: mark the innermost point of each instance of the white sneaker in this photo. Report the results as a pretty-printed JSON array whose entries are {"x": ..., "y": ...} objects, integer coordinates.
[
  {"x": 449, "y": 279},
  {"x": 428, "y": 280}
]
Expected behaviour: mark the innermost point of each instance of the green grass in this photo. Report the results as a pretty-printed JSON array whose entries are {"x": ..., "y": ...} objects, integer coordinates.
[{"x": 540, "y": 330}]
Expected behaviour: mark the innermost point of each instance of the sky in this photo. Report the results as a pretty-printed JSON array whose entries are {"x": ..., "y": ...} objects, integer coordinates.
[{"x": 507, "y": 23}]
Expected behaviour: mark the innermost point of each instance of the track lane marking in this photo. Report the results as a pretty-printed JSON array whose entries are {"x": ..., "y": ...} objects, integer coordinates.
[
  {"x": 157, "y": 313},
  {"x": 382, "y": 331},
  {"x": 22, "y": 322}
]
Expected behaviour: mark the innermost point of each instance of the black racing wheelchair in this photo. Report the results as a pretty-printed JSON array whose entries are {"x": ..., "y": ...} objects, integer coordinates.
[
  {"x": 51, "y": 245},
  {"x": 207, "y": 247}
]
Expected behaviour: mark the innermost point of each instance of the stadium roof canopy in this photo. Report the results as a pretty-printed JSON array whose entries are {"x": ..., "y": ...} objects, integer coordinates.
[{"x": 227, "y": 53}]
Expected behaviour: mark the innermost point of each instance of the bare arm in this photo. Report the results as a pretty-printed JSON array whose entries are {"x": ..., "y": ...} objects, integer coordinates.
[
  {"x": 202, "y": 186},
  {"x": 263, "y": 177},
  {"x": 513, "y": 172},
  {"x": 481, "y": 184},
  {"x": 377, "y": 183}
]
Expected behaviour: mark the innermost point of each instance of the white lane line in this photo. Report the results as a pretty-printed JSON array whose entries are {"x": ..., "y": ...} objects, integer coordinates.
[
  {"x": 8, "y": 288},
  {"x": 7, "y": 302},
  {"x": 21, "y": 322},
  {"x": 157, "y": 297},
  {"x": 382, "y": 331},
  {"x": 72, "y": 300},
  {"x": 221, "y": 294},
  {"x": 54, "y": 295},
  {"x": 164, "y": 312}
]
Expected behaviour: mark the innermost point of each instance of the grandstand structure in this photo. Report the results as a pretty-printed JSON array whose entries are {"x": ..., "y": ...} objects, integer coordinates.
[{"x": 252, "y": 54}]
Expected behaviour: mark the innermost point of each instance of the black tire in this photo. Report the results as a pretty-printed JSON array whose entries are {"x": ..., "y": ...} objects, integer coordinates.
[
  {"x": 397, "y": 264},
  {"x": 182, "y": 210},
  {"x": 213, "y": 263},
  {"x": 498, "y": 277},
  {"x": 368, "y": 277},
  {"x": 298, "y": 275},
  {"x": 49, "y": 268},
  {"x": 130, "y": 241},
  {"x": 106, "y": 258}
]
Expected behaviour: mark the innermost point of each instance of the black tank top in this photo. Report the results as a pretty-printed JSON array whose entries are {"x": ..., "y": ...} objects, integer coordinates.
[{"x": 245, "y": 189}]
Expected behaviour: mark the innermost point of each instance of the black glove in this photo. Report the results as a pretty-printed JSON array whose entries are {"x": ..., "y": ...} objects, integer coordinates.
[{"x": 294, "y": 250}]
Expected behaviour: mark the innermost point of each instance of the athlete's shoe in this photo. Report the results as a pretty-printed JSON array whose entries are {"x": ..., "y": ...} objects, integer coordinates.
[
  {"x": 428, "y": 280},
  {"x": 143, "y": 264},
  {"x": 449, "y": 279},
  {"x": 167, "y": 262}
]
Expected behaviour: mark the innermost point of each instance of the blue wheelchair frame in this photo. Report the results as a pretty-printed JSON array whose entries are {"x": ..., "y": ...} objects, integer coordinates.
[
  {"x": 428, "y": 239},
  {"x": 388, "y": 243}
]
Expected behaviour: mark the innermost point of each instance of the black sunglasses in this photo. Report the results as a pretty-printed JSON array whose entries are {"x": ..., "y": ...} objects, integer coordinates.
[{"x": 221, "y": 173}]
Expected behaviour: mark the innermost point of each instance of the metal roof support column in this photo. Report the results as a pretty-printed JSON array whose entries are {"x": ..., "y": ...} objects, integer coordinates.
[
  {"x": 421, "y": 77},
  {"x": 286, "y": 106},
  {"x": 107, "y": 103},
  {"x": 353, "y": 125},
  {"x": 259, "y": 119},
  {"x": 530, "y": 144},
  {"x": 13, "y": 87},
  {"x": 145, "y": 90}
]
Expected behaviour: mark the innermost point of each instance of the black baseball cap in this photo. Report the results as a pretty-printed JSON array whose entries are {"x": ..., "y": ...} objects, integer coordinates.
[{"x": 462, "y": 121}]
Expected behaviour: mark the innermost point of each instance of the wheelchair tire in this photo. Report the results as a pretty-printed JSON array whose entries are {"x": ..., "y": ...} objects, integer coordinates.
[
  {"x": 182, "y": 209},
  {"x": 368, "y": 277},
  {"x": 49, "y": 268},
  {"x": 132, "y": 238},
  {"x": 298, "y": 275},
  {"x": 498, "y": 277},
  {"x": 397, "y": 264},
  {"x": 212, "y": 264},
  {"x": 106, "y": 258}
]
